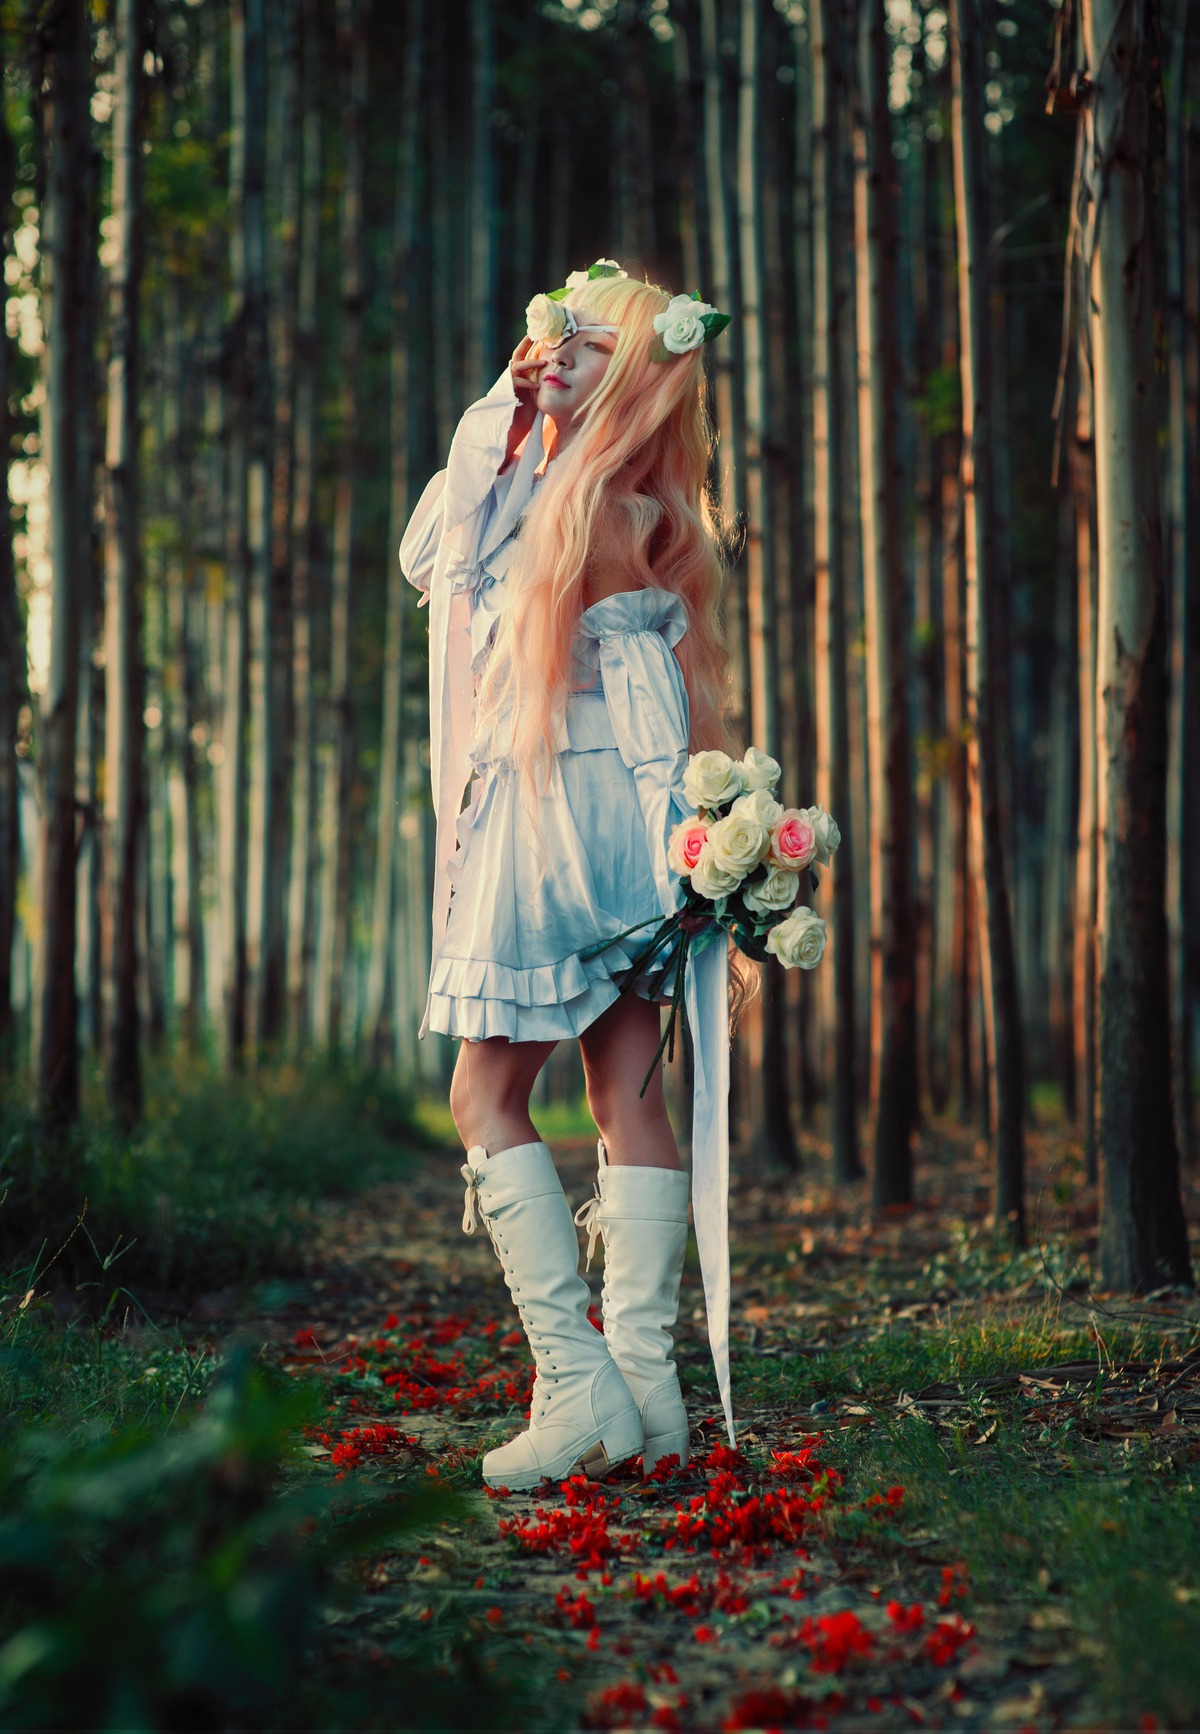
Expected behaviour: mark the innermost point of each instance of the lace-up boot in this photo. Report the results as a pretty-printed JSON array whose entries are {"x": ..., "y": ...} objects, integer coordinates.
[
  {"x": 582, "y": 1415},
  {"x": 641, "y": 1213}
]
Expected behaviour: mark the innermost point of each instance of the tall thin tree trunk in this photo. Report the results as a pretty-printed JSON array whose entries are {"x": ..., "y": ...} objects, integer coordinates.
[
  {"x": 1181, "y": 824},
  {"x": 13, "y": 682},
  {"x": 832, "y": 726},
  {"x": 380, "y": 989},
  {"x": 446, "y": 404},
  {"x": 300, "y": 923},
  {"x": 485, "y": 212},
  {"x": 1083, "y": 490},
  {"x": 245, "y": 46},
  {"x": 255, "y": 405},
  {"x": 767, "y": 1122},
  {"x": 689, "y": 101},
  {"x": 1143, "y": 1236},
  {"x": 997, "y": 961},
  {"x": 283, "y": 262},
  {"x": 182, "y": 698},
  {"x": 893, "y": 957},
  {"x": 727, "y": 363},
  {"x": 335, "y": 808},
  {"x": 65, "y": 53},
  {"x": 124, "y": 676}
]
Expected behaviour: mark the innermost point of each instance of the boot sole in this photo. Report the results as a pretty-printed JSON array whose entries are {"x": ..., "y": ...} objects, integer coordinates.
[
  {"x": 596, "y": 1455},
  {"x": 660, "y": 1445}
]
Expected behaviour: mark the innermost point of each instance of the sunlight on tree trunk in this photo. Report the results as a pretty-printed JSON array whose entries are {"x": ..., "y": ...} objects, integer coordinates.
[
  {"x": 832, "y": 728},
  {"x": 1143, "y": 1238},
  {"x": 997, "y": 962},
  {"x": 892, "y": 925}
]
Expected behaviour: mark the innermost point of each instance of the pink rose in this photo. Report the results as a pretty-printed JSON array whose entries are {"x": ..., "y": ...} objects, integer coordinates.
[
  {"x": 793, "y": 841},
  {"x": 685, "y": 844}
]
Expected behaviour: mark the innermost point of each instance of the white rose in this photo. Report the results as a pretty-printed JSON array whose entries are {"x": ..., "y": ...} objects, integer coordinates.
[
  {"x": 609, "y": 267},
  {"x": 825, "y": 827},
  {"x": 709, "y": 879},
  {"x": 760, "y": 806},
  {"x": 680, "y": 326},
  {"x": 799, "y": 941},
  {"x": 738, "y": 843},
  {"x": 711, "y": 778},
  {"x": 759, "y": 769},
  {"x": 777, "y": 891},
  {"x": 545, "y": 320}
]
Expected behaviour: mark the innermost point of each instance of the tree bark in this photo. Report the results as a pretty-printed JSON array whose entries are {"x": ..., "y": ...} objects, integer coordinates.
[
  {"x": 893, "y": 958},
  {"x": 832, "y": 726},
  {"x": 335, "y": 808},
  {"x": 484, "y": 208},
  {"x": 1083, "y": 490},
  {"x": 727, "y": 363},
  {"x": 13, "y": 681},
  {"x": 767, "y": 1123},
  {"x": 283, "y": 267},
  {"x": 997, "y": 963},
  {"x": 1143, "y": 1236},
  {"x": 124, "y": 674},
  {"x": 263, "y": 886},
  {"x": 1181, "y": 823},
  {"x": 380, "y": 974},
  {"x": 65, "y": 54},
  {"x": 300, "y": 920}
]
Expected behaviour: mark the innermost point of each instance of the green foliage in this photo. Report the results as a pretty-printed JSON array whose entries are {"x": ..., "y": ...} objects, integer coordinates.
[
  {"x": 171, "y": 1579},
  {"x": 940, "y": 402},
  {"x": 219, "y": 1184}
]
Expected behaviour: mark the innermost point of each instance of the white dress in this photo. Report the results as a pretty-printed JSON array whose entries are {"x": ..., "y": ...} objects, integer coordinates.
[{"x": 510, "y": 917}]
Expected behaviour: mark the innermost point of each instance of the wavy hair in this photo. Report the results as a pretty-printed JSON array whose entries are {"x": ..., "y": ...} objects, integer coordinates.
[{"x": 628, "y": 492}]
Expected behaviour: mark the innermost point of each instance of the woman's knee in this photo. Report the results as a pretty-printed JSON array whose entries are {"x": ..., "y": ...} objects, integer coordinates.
[
  {"x": 613, "y": 1095},
  {"x": 492, "y": 1079}
]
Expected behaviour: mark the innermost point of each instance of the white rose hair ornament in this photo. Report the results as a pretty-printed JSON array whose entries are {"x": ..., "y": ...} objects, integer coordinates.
[{"x": 683, "y": 326}]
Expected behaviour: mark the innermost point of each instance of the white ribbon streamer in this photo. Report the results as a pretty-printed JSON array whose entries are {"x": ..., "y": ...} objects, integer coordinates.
[{"x": 706, "y": 994}]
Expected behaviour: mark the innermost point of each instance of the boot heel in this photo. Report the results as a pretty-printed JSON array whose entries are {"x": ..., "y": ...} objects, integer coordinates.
[
  {"x": 619, "y": 1441},
  {"x": 660, "y": 1445}
]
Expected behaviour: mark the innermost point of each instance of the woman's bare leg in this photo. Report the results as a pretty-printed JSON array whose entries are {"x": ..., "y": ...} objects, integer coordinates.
[
  {"x": 490, "y": 1089},
  {"x": 617, "y": 1051}
]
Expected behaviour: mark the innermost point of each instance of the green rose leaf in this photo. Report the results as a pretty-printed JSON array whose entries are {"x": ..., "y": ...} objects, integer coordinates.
[
  {"x": 557, "y": 294},
  {"x": 714, "y": 324}
]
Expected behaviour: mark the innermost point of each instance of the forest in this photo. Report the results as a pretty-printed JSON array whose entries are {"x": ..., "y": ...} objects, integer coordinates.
[{"x": 259, "y": 256}]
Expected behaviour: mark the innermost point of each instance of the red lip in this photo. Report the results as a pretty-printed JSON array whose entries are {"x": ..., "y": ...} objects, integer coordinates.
[{"x": 552, "y": 379}]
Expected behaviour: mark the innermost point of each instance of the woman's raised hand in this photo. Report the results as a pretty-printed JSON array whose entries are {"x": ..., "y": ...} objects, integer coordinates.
[{"x": 525, "y": 367}]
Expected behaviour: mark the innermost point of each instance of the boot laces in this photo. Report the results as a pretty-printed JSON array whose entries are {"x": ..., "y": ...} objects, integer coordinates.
[
  {"x": 587, "y": 1217},
  {"x": 471, "y": 1204}
]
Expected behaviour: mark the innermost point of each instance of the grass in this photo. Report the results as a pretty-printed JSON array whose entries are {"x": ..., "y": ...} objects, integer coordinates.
[
  {"x": 1075, "y": 1547},
  {"x": 219, "y": 1185}
]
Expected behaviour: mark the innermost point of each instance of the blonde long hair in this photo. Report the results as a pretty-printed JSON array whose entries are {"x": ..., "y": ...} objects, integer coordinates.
[{"x": 630, "y": 490}]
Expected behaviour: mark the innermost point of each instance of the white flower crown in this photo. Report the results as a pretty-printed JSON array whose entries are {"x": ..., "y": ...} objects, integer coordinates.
[{"x": 685, "y": 324}]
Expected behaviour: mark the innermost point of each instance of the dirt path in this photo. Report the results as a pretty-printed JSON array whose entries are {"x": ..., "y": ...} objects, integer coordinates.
[{"x": 768, "y": 1587}]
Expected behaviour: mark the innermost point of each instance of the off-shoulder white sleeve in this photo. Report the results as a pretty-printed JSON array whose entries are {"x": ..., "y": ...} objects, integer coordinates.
[{"x": 647, "y": 700}]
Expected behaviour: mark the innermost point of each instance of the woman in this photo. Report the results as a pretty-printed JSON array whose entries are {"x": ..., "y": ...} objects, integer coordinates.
[{"x": 572, "y": 668}]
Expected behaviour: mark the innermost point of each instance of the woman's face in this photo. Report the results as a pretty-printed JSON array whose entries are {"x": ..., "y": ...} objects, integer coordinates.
[{"x": 571, "y": 375}]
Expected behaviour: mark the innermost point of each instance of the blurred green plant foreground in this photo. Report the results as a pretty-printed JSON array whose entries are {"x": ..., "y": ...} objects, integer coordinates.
[{"x": 169, "y": 1552}]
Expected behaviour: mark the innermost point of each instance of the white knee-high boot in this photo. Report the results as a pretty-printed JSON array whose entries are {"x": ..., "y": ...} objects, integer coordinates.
[
  {"x": 582, "y": 1414},
  {"x": 641, "y": 1213}
]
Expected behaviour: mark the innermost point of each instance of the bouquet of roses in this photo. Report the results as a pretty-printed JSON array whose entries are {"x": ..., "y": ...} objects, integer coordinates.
[{"x": 743, "y": 857}]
